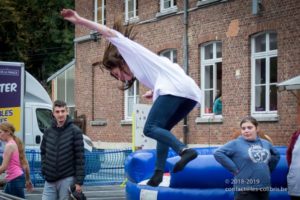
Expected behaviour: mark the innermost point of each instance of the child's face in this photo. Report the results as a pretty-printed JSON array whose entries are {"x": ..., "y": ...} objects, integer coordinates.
[
  {"x": 249, "y": 131},
  {"x": 122, "y": 75},
  {"x": 3, "y": 135}
]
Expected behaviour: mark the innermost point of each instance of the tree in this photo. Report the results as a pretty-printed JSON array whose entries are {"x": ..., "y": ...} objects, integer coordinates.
[{"x": 33, "y": 32}]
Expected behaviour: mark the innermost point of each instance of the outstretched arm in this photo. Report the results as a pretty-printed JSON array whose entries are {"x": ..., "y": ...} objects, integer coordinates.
[{"x": 72, "y": 16}]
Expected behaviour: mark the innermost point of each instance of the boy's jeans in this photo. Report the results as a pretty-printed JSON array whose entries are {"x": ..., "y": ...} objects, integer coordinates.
[{"x": 58, "y": 189}]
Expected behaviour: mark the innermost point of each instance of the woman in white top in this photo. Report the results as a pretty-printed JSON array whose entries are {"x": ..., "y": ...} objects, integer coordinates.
[{"x": 173, "y": 92}]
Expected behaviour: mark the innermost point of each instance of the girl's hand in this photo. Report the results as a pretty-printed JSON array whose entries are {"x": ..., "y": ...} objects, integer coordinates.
[
  {"x": 29, "y": 186},
  {"x": 148, "y": 94},
  {"x": 70, "y": 15}
]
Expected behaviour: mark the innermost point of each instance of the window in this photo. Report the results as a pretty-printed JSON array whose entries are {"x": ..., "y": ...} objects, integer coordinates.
[
  {"x": 131, "y": 10},
  {"x": 100, "y": 11},
  {"x": 44, "y": 118},
  {"x": 264, "y": 74},
  {"x": 131, "y": 98},
  {"x": 64, "y": 88},
  {"x": 211, "y": 76},
  {"x": 166, "y": 5},
  {"x": 171, "y": 54}
]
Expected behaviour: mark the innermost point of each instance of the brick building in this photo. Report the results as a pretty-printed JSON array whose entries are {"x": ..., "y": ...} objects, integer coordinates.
[{"x": 233, "y": 47}]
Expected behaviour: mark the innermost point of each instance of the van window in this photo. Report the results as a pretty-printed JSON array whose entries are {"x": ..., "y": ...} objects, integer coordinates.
[{"x": 44, "y": 118}]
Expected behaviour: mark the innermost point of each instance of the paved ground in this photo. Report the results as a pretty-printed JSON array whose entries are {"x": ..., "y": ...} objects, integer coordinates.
[{"x": 108, "y": 192}]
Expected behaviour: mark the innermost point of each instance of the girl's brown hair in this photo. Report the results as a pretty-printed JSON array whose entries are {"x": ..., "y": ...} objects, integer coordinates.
[
  {"x": 8, "y": 127},
  {"x": 112, "y": 58},
  {"x": 250, "y": 119},
  {"x": 253, "y": 121}
]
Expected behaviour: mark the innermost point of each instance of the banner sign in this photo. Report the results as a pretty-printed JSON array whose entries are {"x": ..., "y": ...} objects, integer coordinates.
[{"x": 11, "y": 94}]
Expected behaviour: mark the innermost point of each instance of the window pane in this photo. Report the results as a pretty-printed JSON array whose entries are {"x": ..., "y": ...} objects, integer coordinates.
[
  {"x": 99, "y": 16},
  {"x": 130, "y": 106},
  {"x": 208, "y": 77},
  {"x": 208, "y": 52},
  {"x": 70, "y": 86},
  {"x": 273, "y": 70},
  {"x": 260, "y": 71},
  {"x": 61, "y": 87},
  {"x": 131, "y": 91},
  {"x": 273, "y": 41},
  {"x": 130, "y": 8},
  {"x": 101, "y": 13},
  {"x": 137, "y": 8},
  {"x": 260, "y": 98},
  {"x": 104, "y": 11},
  {"x": 167, "y": 4},
  {"x": 260, "y": 43},
  {"x": 174, "y": 56},
  {"x": 219, "y": 50},
  {"x": 273, "y": 98},
  {"x": 137, "y": 87},
  {"x": 71, "y": 111},
  {"x": 167, "y": 54},
  {"x": 171, "y": 54},
  {"x": 208, "y": 101},
  {"x": 219, "y": 78}
]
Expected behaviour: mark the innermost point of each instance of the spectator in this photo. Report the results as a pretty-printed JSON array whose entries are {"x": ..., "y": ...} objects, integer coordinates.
[
  {"x": 251, "y": 160},
  {"x": 62, "y": 153},
  {"x": 14, "y": 162},
  {"x": 293, "y": 159},
  {"x": 217, "y": 107}
]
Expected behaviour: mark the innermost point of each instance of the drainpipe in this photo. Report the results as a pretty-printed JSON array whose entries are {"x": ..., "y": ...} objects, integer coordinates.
[{"x": 185, "y": 64}]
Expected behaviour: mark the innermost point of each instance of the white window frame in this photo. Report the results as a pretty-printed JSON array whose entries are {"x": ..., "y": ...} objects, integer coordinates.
[
  {"x": 204, "y": 63},
  {"x": 135, "y": 11},
  {"x": 70, "y": 106},
  {"x": 172, "y": 53},
  {"x": 171, "y": 8},
  {"x": 266, "y": 115},
  {"x": 96, "y": 7},
  {"x": 135, "y": 86}
]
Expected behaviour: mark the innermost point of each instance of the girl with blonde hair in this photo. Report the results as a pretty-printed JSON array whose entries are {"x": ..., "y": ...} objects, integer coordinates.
[{"x": 14, "y": 162}]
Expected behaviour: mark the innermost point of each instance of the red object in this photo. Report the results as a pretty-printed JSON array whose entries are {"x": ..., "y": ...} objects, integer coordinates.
[{"x": 291, "y": 147}]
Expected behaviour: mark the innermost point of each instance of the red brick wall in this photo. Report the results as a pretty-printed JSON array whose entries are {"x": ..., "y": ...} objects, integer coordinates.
[{"x": 231, "y": 23}]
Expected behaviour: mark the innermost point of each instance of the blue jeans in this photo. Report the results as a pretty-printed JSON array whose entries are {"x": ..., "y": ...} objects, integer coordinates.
[
  {"x": 16, "y": 187},
  {"x": 165, "y": 113},
  {"x": 58, "y": 189}
]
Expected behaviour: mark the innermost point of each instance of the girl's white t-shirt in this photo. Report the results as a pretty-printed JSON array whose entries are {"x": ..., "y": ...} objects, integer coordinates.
[{"x": 156, "y": 72}]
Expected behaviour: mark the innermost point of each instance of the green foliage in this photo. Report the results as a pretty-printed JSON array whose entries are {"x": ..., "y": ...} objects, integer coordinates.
[{"x": 33, "y": 32}]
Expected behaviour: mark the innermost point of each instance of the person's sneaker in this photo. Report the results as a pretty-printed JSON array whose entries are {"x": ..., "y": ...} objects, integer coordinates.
[
  {"x": 74, "y": 195},
  {"x": 156, "y": 179},
  {"x": 187, "y": 155}
]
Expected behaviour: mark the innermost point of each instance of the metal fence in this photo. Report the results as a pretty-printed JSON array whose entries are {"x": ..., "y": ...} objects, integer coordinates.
[{"x": 102, "y": 167}]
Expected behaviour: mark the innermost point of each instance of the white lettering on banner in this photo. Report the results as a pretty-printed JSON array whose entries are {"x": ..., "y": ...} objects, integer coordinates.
[{"x": 8, "y": 87}]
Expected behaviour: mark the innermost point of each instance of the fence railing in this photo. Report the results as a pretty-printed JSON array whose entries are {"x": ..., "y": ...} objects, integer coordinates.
[{"x": 102, "y": 167}]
